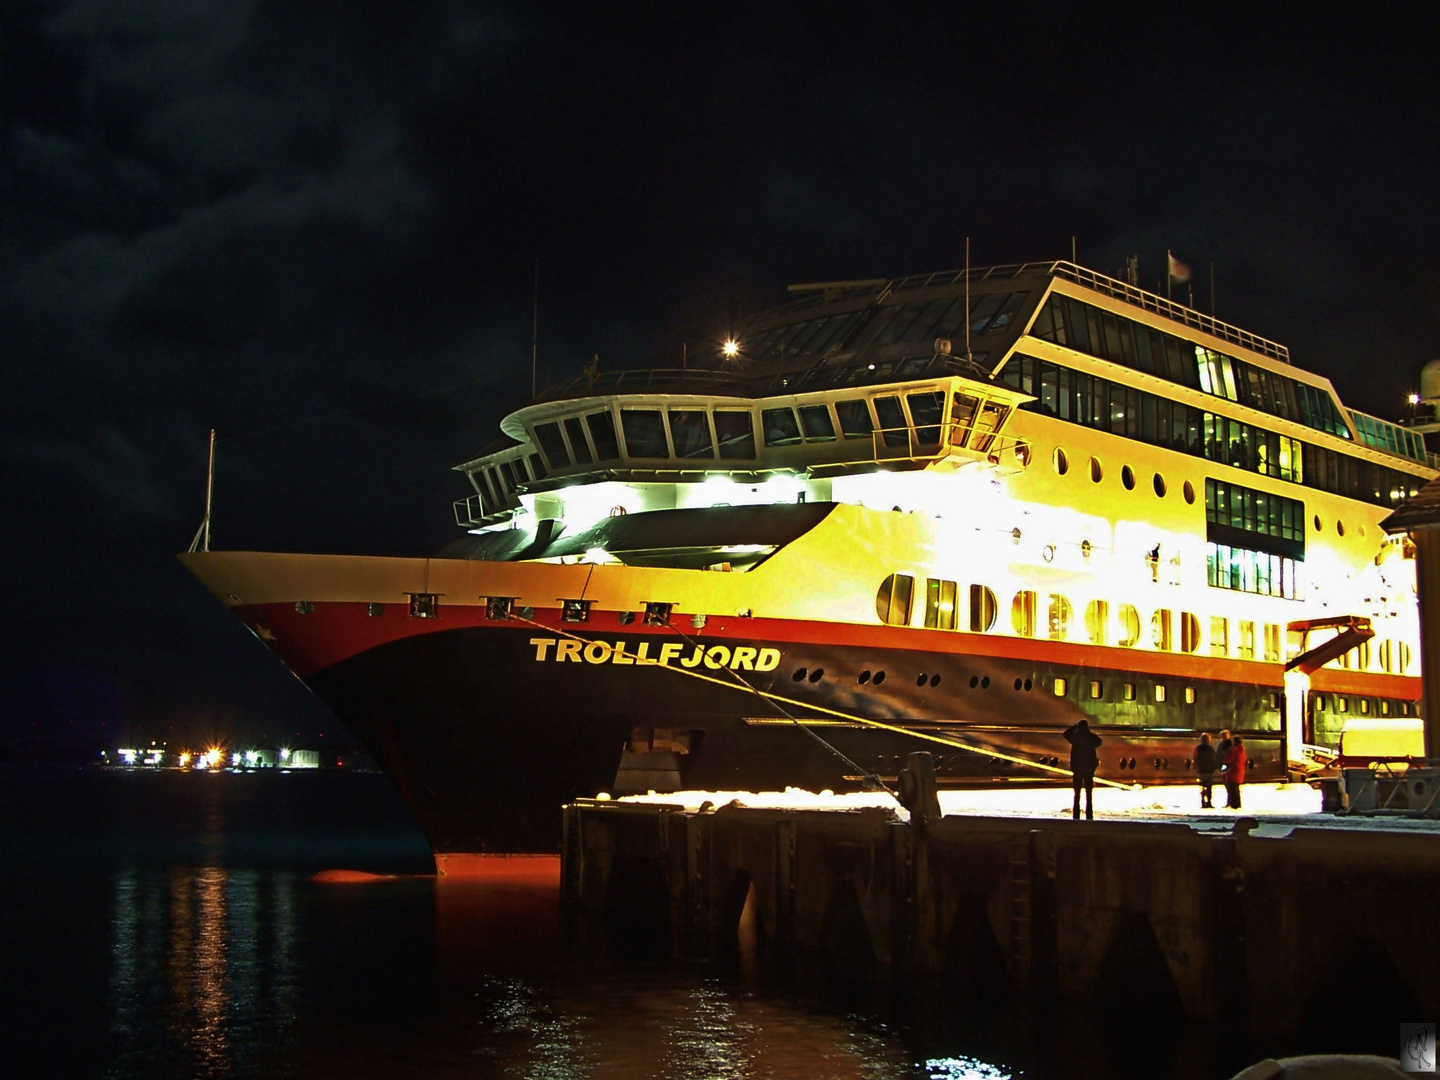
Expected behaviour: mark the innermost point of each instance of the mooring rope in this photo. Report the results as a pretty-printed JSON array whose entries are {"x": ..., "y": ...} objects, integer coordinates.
[{"x": 864, "y": 721}]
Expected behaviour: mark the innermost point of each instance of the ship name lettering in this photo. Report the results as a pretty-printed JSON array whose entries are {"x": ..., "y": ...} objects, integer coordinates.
[{"x": 714, "y": 657}]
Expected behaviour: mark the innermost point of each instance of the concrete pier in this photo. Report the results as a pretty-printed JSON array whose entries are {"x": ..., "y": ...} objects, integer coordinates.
[{"x": 1276, "y": 924}]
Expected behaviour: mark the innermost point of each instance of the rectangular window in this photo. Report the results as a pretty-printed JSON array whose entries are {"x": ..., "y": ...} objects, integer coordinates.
[
  {"x": 780, "y": 427},
  {"x": 1059, "y": 687},
  {"x": 940, "y": 597},
  {"x": 736, "y": 434},
  {"x": 1246, "y": 650},
  {"x": 548, "y": 436},
  {"x": 892, "y": 421},
  {"x": 644, "y": 433},
  {"x": 816, "y": 423},
  {"x": 892, "y": 602},
  {"x": 926, "y": 410},
  {"x": 690, "y": 432},
  {"x": 602, "y": 434},
  {"x": 424, "y": 605},
  {"x": 854, "y": 418},
  {"x": 1272, "y": 642},
  {"x": 1129, "y": 691},
  {"x": 1219, "y": 635},
  {"x": 578, "y": 446},
  {"x": 574, "y": 610}
]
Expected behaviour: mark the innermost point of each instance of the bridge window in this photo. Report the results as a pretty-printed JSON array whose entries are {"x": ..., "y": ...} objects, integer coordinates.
[
  {"x": 780, "y": 426},
  {"x": 940, "y": 604},
  {"x": 816, "y": 422},
  {"x": 644, "y": 433},
  {"x": 927, "y": 410},
  {"x": 690, "y": 431},
  {"x": 854, "y": 418},
  {"x": 892, "y": 421},
  {"x": 602, "y": 434},
  {"x": 548, "y": 436},
  {"x": 892, "y": 601},
  {"x": 578, "y": 446},
  {"x": 736, "y": 432},
  {"x": 984, "y": 609}
]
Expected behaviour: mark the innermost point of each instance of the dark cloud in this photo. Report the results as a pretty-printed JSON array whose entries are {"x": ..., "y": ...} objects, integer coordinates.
[{"x": 314, "y": 228}]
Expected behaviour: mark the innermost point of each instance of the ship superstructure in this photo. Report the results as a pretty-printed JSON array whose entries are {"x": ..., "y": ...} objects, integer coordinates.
[{"x": 971, "y": 506}]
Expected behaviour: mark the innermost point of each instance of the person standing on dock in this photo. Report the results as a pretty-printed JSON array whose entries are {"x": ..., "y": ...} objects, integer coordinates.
[
  {"x": 1206, "y": 764},
  {"x": 1234, "y": 765},
  {"x": 1083, "y": 763}
]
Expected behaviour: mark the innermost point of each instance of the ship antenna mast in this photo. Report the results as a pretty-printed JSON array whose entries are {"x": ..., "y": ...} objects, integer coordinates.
[
  {"x": 202, "y": 534},
  {"x": 967, "y": 300},
  {"x": 535, "y": 326}
]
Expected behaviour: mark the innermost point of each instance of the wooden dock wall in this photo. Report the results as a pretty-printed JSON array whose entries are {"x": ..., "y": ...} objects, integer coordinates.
[{"x": 1248, "y": 925}]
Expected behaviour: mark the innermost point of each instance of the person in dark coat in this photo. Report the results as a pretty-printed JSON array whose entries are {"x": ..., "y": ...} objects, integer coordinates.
[
  {"x": 1234, "y": 766},
  {"x": 1207, "y": 762},
  {"x": 1083, "y": 763}
]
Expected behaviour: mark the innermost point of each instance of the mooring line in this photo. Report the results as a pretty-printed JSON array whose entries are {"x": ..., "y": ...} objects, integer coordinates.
[{"x": 864, "y": 721}]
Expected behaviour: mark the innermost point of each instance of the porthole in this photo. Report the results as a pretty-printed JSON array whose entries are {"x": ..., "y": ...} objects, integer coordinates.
[
  {"x": 1189, "y": 491},
  {"x": 879, "y": 677},
  {"x": 817, "y": 674},
  {"x": 985, "y": 682},
  {"x": 1028, "y": 684},
  {"x": 1127, "y": 477},
  {"x": 1097, "y": 471},
  {"x": 1018, "y": 684},
  {"x": 1316, "y": 520},
  {"x": 974, "y": 681},
  {"x": 934, "y": 680},
  {"x": 864, "y": 677},
  {"x": 1160, "y": 488},
  {"x": 1339, "y": 528},
  {"x": 1086, "y": 548},
  {"x": 921, "y": 679},
  {"x": 1060, "y": 461},
  {"x": 799, "y": 675}
]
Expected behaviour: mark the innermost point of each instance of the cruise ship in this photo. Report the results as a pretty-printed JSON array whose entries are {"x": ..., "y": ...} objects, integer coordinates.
[{"x": 956, "y": 512}]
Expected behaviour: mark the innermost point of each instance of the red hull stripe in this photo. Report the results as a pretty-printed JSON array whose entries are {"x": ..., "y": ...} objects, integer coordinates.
[{"x": 333, "y": 632}]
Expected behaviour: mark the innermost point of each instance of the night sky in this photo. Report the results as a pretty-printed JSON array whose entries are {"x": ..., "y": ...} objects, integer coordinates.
[{"x": 314, "y": 227}]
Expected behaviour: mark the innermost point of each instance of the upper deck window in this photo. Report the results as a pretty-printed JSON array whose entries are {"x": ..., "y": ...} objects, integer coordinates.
[
  {"x": 892, "y": 421},
  {"x": 816, "y": 422},
  {"x": 781, "y": 427},
  {"x": 548, "y": 436},
  {"x": 644, "y": 433},
  {"x": 927, "y": 410},
  {"x": 578, "y": 446},
  {"x": 602, "y": 434},
  {"x": 854, "y": 418},
  {"x": 736, "y": 432},
  {"x": 690, "y": 429}
]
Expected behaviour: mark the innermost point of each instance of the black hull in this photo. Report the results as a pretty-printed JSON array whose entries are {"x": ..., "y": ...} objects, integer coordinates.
[{"x": 486, "y": 740}]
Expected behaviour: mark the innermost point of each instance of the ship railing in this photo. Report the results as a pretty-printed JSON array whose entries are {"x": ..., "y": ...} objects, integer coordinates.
[
  {"x": 471, "y": 512},
  {"x": 648, "y": 380},
  {"x": 1080, "y": 275}
]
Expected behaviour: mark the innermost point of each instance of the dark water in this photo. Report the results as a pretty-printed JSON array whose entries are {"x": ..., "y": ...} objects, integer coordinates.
[{"x": 160, "y": 925}]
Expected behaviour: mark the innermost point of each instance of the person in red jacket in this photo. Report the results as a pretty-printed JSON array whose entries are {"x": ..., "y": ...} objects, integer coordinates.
[{"x": 1234, "y": 772}]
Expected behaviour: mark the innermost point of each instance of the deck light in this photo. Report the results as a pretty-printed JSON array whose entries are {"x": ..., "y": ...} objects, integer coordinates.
[{"x": 731, "y": 348}]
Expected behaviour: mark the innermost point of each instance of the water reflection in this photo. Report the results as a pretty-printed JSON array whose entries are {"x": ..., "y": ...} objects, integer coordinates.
[{"x": 204, "y": 959}]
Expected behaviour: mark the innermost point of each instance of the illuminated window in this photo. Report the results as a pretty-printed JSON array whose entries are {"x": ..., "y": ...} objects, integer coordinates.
[
  {"x": 1022, "y": 613},
  {"x": 1059, "y": 617},
  {"x": 1160, "y": 630},
  {"x": 984, "y": 608},
  {"x": 1246, "y": 645},
  {"x": 424, "y": 605},
  {"x": 1365, "y": 706},
  {"x": 892, "y": 601},
  {"x": 1129, "y": 691},
  {"x": 1219, "y": 635},
  {"x": 1319, "y": 702},
  {"x": 1129, "y": 625},
  {"x": 1189, "y": 632},
  {"x": 940, "y": 604},
  {"x": 1362, "y": 656},
  {"x": 1189, "y": 695},
  {"x": 1384, "y": 708},
  {"x": 1387, "y": 661},
  {"x": 1404, "y": 658},
  {"x": 1159, "y": 691},
  {"x": 1272, "y": 642},
  {"x": 1097, "y": 621},
  {"x": 1342, "y": 704},
  {"x": 1097, "y": 688},
  {"x": 1059, "y": 687}
]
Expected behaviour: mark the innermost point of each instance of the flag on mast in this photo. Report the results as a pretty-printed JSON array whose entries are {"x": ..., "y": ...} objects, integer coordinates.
[{"x": 1179, "y": 272}]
